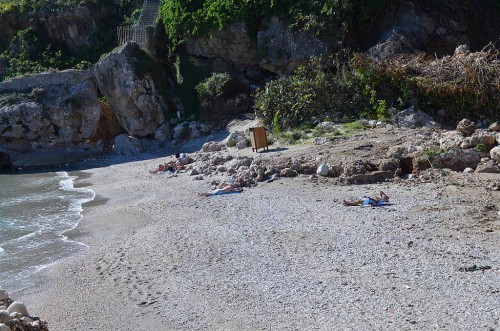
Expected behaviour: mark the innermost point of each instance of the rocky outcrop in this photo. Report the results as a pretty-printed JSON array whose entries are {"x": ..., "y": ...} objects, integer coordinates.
[
  {"x": 458, "y": 159},
  {"x": 406, "y": 31},
  {"x": 57, "y": 117},
  {"x": 132, "y": 95},
  {"x": 414, "y": 118},
  {"x": 279, "y": 49},
  {"x": 61, "y": 113}
]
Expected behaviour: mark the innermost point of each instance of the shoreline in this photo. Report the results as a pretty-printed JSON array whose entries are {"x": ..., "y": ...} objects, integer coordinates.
[{"x": 281, "y": 255}]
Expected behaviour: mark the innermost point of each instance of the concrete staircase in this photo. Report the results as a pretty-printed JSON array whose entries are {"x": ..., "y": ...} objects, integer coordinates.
[{"x": 149, "y": 13}]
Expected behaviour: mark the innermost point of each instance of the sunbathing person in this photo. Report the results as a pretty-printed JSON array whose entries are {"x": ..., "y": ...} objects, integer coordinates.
[
  {"x": 368, "y": 201},
  {"x": 169, "y": 166},
  {"x": 223, "y": 188}
]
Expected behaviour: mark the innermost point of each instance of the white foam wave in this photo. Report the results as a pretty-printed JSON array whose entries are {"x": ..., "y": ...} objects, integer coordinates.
[
  {"x": 84, "y": 195},
  {"x": 29, "y": 235},
  {"x": 2, "y": 251},
  {"x": 67, "y": 183}
]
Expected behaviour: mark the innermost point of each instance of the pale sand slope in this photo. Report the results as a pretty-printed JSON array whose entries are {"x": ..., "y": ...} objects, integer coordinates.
[{"x": 281, "y": 256}]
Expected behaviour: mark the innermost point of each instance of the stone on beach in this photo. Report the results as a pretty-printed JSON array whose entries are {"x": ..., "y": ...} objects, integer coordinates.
[
  {"x": 495, "y": 153},
  {"x": 323, "y": 170},
  {"x": 18, "y": 307},
  {"x": 4, "y": 327},
  {"x": 466, "y": 127}
]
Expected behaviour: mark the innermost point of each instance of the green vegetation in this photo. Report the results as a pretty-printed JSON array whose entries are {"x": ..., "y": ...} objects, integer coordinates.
[
  {"x": 26, "y": 6},
  {"x": 330, "y": 18},
  {"x": 321, "y": 90},
  {"x": 212, "y": 86},
  {"x": 464, "y": 87},
  {"x": 432, "y": 152},
  {"x": 29, "y": 54},
  {"x": 481, "y": 147}
]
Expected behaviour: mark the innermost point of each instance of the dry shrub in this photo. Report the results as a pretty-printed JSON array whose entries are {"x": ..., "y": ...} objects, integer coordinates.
[{"x": 465, "y": 84}]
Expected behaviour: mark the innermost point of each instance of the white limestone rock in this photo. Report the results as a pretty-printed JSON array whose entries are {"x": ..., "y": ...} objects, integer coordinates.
[
  {"x": 323, "y": 170},
  {"x": 18, "y": 307},
  {"x": 495, "y": 153}
]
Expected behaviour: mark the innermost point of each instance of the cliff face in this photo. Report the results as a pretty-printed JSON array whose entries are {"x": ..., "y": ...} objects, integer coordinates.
[
  {"x": 72, "y": 28},
  {"x": 434, "y": 27}
]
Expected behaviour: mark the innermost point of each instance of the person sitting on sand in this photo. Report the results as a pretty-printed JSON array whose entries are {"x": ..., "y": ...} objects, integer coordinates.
[
  {"x": 368, "y": 201},
  {"x": 223, "y": 188},
  {"x": 181, "y": 158}
]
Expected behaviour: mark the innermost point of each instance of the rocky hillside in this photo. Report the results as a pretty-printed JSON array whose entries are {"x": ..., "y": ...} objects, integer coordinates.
[{"x": 294, "y": 65}]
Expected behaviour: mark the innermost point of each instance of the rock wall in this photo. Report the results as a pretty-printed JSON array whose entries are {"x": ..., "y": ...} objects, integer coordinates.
[
  {"x": 73, "y": 27},
  {"x": 278, "y": 49}
]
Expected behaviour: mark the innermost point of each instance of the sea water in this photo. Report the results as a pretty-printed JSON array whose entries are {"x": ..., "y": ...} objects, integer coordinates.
[{"x": 35, "y": 212}]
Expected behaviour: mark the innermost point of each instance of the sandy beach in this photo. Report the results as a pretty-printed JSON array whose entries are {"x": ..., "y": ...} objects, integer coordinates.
[{"x": 284, "y": 255}]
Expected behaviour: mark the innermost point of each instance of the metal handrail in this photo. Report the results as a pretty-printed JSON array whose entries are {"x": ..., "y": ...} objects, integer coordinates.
[{"x": 137, "y": 32}]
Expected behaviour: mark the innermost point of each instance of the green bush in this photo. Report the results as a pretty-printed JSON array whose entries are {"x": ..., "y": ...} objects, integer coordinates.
[
  {"x": 212, "y": 86},
  {"x": 320, "y": 90}
]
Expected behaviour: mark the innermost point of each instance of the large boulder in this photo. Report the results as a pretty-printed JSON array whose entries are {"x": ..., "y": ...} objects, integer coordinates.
[
  {"x": 450, "y": 139},
  {"x": 408, "y": 30},
  {"x": 480, "y": 137},
  {"x": 458, "y": 159},
  {"x": 127, "y": 145},
  {"x": 495, "y": 127},
  {"x": 406, "y": 27},
  {"x": 413, "y": 118},
  {"x": 488, "y": 166},
  {"x": 132, "y": 93}
]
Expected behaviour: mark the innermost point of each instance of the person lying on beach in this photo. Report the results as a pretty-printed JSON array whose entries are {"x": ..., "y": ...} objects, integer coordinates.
[
  {"x": 368, "y": 201},
  {"x": 169, "y": 167},
  {"x": 223, "y": 188}
]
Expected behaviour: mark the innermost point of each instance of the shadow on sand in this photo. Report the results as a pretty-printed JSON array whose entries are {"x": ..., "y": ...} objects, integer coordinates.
[{"x": 153, "y": 149}]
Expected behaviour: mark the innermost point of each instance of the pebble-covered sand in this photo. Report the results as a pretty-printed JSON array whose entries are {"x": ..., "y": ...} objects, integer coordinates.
[{"x": 284, "y": 255}]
